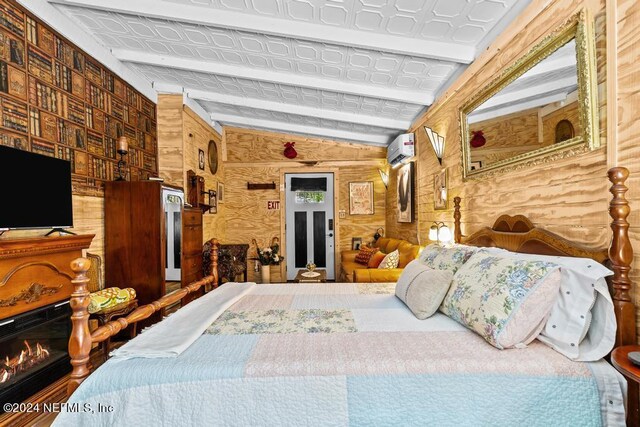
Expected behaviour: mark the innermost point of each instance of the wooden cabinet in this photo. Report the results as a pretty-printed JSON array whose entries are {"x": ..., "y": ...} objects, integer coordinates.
[
  {"x": 135, "y": 239},
  {"x": 191, "y": 249}
]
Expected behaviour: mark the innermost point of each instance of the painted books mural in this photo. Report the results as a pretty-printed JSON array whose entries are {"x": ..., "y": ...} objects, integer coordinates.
[{"x": 57, "y": 101}]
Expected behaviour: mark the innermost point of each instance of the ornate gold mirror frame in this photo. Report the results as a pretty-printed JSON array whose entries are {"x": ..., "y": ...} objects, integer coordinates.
[{"x": 580, "y": 27}]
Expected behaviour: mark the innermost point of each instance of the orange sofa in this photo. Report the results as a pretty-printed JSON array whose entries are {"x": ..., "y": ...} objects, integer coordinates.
[{"x": 355, "y": 272}]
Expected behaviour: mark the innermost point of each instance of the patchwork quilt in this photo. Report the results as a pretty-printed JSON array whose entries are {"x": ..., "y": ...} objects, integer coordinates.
[{"x": 344, "y": 355}]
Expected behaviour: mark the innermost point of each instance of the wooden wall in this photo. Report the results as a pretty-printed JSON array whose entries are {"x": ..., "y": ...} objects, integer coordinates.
[
  {"x": 181, "y": 133},
  {"x": 58, "y": 101},
  {"x": 570, "y": 196},
  {"x": 256, "y": 156}
]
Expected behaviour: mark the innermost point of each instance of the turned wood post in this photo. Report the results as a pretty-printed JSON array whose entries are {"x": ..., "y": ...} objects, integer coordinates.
[
  {"x": 457, "y": 230},
  {"x": 215, "y": 246},
  {"x": 621, "y": 256},
  {"x": 80, "y": 341}
]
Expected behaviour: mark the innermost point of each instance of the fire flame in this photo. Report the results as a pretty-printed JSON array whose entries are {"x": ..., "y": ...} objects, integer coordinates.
[{"x": 22, "y": 362}]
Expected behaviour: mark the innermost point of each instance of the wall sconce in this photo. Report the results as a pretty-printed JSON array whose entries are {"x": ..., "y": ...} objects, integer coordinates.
[
  {"x": 439, "y": 232},
  {"x": 122, "y": 148},
  {"x": 379, "y": 234},
  {"x": 384, "y": 177},
  {"x": 437, "y": 142}
]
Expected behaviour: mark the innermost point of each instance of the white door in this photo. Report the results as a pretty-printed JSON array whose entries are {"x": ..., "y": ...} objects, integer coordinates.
[
  {"x": 309, "y": 223},
  {"x": 173, "y": 200}
]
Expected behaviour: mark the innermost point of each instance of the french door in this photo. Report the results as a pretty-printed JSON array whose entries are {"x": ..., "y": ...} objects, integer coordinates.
[{"x": 309, "y": 224}]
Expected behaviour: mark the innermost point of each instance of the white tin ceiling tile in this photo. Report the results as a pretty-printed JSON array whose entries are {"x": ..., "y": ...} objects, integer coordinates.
[
  {"x": 257, "y": 50},
  {"x": 279, "y": 93},
  {"x": 421, "y": 19}
]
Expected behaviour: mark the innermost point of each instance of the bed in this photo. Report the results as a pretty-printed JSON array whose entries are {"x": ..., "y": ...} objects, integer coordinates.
[{"x": 346, "y": 354}]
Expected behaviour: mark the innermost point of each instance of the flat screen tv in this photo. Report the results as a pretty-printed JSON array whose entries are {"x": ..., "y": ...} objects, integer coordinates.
[{"x": 35, "y": 190}]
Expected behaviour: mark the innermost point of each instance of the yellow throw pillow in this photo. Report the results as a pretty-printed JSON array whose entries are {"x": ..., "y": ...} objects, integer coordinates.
[{"x": 391, "y": 260}]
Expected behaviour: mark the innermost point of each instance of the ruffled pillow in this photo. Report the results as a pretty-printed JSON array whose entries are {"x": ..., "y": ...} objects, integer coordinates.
[{"x": 365, "y": 253}]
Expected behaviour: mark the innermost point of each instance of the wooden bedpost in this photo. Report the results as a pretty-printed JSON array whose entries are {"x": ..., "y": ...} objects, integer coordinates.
[
  {"x": 80, "y": 341},
  {"x": 621, "y": 256},
  {"x": 215, "y": 247},
  {"x": 457, "y": 230}
]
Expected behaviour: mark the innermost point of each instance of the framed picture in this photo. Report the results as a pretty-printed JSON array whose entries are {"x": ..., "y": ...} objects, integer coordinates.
[
  {"x": 213, "y": 202},
  {"x": 361, "y": 198},
  {"x": 201, "y": 159},
  {"x": 475, "y": 165},
  {"x": 440, "y": 190},
  {"x": 356, "y": 242},
  {"x": 405, "y": 193},
  {"x": 220, "y": 192}
]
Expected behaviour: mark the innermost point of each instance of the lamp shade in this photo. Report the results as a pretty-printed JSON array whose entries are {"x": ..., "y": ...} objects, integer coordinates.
[
  {"x": 433, "y": 233},
  {"x": 445, "y": 234}
]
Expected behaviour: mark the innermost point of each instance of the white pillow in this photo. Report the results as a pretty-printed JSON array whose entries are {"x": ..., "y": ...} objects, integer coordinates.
[
  {"x": 422, "y": 289},
  {"x": 582, "y": 323}
]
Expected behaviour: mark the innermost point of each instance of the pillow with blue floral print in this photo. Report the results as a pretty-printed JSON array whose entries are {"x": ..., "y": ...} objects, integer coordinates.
[
  {"x": 446, "y": 257},
  {"x": 504, "y": 300}
]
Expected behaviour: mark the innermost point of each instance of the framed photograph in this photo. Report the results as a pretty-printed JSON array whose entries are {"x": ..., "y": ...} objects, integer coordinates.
[
  {"x": 361, "y": 198},
  {"x": 440, "y": 190},
  {"x": 405, "y": 193},
  {"x": 356, "y": 242},
  {"x": 220, "y": 192},
  {"x": 475, "y": 165},
  {"x": 201, "y": 159},
  {"x": 213, "y": 202}
]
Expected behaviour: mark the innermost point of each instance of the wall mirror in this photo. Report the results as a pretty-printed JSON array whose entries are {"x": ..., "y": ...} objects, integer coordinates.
[{"x": 541, "y": 108}]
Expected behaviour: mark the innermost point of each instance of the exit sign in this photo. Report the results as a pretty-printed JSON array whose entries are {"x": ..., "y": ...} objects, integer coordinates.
[{"x": 273, "y": 205}]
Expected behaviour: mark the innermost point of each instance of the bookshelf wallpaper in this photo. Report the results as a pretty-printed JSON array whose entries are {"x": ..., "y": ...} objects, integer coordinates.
[{"x": 56, "y": 100}]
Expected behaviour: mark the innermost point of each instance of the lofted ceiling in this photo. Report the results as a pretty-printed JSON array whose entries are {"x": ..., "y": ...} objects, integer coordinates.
[{"x": 354, "y": 70}]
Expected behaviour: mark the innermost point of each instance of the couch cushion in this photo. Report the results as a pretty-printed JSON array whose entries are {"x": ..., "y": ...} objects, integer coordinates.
[{"x": 408, "y": 252}]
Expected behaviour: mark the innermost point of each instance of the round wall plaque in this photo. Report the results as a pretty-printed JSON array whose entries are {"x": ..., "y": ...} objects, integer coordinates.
[{"x": 213, "y": 157}]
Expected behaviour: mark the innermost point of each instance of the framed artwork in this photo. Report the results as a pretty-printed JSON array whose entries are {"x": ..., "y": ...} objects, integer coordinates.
[
  {"x": 213, "y": 202},
  {"x": 440, "y": 190},
  {"x": 201, "y": 159},
  {"x": 361, "y": 198},
  {"x": 475, "y": 165},
  {"x": 405, "y": 193},
  {"x": 220, "y": 192},
  {"x": 356, "y": 242}
]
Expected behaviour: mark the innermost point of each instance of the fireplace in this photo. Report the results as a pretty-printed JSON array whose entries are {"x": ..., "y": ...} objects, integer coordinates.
[{"x": 33, "y": 351}]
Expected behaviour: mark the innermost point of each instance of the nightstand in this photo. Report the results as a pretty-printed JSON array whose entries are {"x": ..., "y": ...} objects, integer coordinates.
[{"x": 620, "y": 360}]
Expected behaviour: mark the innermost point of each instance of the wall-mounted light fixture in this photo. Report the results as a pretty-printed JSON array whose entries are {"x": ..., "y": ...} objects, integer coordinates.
[
  {"x": 439, "y": 232},
  {"x": 385, "y": 178},
  {"x": 437, "y": 142},
  {"x": 379, "y": 234},
  {"x": 122, "y": 149}
]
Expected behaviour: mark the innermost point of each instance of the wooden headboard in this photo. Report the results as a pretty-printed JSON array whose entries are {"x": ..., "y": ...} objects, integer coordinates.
[{"x": 519, "y": 234}]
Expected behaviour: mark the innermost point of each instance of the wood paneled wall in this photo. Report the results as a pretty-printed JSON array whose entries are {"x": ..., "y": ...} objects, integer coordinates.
[
  {"x": 181, "y": 133},
  {"x": 570, "y": 196},
  {"x": 256, "y": 156}
]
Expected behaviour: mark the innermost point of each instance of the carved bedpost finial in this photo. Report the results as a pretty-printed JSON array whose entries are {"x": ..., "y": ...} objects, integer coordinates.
[
  {"x": 80, "y": 341},
  {"x": 621, "y": 256},
  {"x": 457, "y": 230}
]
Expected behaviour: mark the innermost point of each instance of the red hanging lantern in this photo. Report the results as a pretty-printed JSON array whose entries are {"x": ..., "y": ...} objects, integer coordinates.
[
  {"x": 478, "y": 139},
  {"x": 289, "y": 151}
]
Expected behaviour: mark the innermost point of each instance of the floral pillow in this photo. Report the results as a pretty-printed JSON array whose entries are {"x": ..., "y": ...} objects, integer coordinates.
[
  {"x": 504, "y": 300},
  {"x": 451, "y": 257},
  {"x": 391, "y": 260}
]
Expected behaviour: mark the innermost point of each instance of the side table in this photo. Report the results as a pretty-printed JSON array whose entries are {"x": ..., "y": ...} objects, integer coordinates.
[{"x": 620, "y": 360}]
